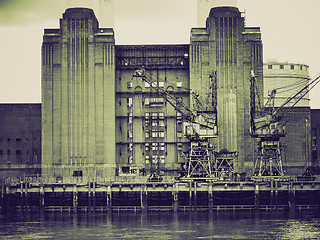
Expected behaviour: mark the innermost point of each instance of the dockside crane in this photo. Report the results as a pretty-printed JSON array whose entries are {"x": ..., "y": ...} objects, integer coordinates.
[
  {"x": 268, "y": 127},
  {"x": 199, "y": 126}
]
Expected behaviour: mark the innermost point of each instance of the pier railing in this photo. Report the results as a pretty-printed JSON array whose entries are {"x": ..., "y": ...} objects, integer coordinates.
[{"x": 39, "y": 180}]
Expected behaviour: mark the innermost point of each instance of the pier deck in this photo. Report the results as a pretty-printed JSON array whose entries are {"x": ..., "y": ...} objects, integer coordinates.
[{"x": 137, "y": 194}]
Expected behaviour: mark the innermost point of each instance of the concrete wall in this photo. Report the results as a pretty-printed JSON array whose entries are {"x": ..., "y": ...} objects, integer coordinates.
[{"x": 297, "y": 143}]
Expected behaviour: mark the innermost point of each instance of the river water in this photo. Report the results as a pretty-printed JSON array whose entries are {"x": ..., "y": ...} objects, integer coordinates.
[{"x": 194, "y": 225}]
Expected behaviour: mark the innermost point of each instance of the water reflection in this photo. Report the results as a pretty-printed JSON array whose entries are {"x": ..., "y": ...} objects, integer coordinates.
[{"x": 194, "y": 225}]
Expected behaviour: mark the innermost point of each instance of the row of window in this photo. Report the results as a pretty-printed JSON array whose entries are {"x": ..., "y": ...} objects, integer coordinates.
[
  {"x": 282, "y": 67},
  {"x": 154, "y": 102},
  {"x": 9, "y": 152},
  {"x": 148, "y": 134},
  {"x": 148, "y": 158},
  {"x": 154, "y": 115},
  {"x": 148, "y": 116},
  {"x": 154, "y": 134},
  {"x": 150, "y": 102},
  {"x": 17, "y": 139},
  {"x": 157, "y": 123},
  {"x": 155, "y": 159},
  {"x": 154, "y": 146},
  {"x": 150, "y": 146},
  {"x": 17, "y": 152},
  {"x": 154, "y": 84}
]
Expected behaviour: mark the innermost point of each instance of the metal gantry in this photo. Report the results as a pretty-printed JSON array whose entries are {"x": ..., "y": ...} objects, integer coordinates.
[
  {"x": 269, "y": 161},
  {"x": 200, "y": 160}
]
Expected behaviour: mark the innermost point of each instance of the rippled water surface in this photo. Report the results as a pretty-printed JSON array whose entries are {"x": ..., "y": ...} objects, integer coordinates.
[{"x": 222, "y": 225}]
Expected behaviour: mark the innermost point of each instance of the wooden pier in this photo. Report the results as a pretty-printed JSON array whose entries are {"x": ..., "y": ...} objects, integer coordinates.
[{"x": 103, "y": 195}]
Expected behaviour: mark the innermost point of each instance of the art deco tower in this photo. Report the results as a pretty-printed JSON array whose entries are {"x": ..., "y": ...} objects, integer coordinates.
[
  {"x": 78, "y": 97},
  {"x": 230, "y": 49}
]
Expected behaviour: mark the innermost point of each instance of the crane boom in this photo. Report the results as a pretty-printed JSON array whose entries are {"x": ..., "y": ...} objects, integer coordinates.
[
  {"x": 291, "y": 101},
  {"x": 199, "y": 126},
  {"x": 198, "y": 122}
]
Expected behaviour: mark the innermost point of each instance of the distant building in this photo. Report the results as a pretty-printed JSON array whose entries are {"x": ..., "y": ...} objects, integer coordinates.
[{"x": 20, "y": 140}]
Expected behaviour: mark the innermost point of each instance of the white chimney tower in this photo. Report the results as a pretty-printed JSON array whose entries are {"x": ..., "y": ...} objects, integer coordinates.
[{"x": 106, "y": 13}]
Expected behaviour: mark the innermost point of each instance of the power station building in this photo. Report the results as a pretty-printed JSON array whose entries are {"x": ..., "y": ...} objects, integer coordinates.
[{"x": 99, "y": 120}]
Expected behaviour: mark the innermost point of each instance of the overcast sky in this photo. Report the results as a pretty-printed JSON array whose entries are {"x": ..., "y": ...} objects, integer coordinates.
[{"x": 290, "y": 32}]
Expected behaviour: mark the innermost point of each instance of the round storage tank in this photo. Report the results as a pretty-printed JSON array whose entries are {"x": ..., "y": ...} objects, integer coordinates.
[{"x": 287, "y": 79}]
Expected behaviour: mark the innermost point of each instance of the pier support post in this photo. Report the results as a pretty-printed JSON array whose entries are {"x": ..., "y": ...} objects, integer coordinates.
[
  {"x": 175, "y": 192},
  {"x": 276, "y": 194},
  {"x": 75, "y": 198},
  {"x": 26, "y": 189},
  {"x": 3, "y": 198},
  {"x": 291, "y": 199},
  {"x": 7, "y": 200},
  {"x": 94, "y": 196},
  {"x": 190, "y": 196},
  {"x": 89, "y": 195},
  {"x": 21, "y": 195},
  {"x": 271, "y": 194},
  {"x": 210, "y": 197},
  {"x": 109, "y": 198},
  {"x": 195, "y": 196},
  {"x": 41, "y": 190},
  {"x": 144, "y": 198},
  {"x": 256, "y": 196}
]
